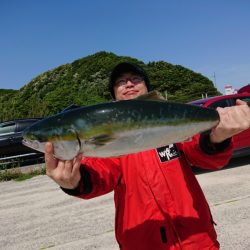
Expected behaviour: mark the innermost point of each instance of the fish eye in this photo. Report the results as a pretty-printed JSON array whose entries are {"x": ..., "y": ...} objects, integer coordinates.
[{"x": 30, "y": 137}]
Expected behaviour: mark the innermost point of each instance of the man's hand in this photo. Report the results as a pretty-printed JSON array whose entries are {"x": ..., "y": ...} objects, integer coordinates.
[
  {"x": 233, "y": 120},
  {"x": 64, "y": 173}
]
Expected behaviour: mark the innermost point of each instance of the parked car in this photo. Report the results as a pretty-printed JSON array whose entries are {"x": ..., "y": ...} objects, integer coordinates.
[
  {"x": 242, "y": 140},
  {"x": 11, "y": 148}
]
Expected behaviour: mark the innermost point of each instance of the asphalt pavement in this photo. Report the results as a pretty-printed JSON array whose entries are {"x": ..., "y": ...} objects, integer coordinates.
[{"x": 36, "y": 214}]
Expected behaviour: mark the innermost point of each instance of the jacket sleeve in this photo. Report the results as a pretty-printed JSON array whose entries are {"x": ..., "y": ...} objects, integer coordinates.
[
  {"x": 98, "y": 176},
  {"x": 200, "y": 152}
]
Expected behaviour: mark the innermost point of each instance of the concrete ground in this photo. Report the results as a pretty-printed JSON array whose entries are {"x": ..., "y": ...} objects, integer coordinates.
[{"x": 36, "y": 214}]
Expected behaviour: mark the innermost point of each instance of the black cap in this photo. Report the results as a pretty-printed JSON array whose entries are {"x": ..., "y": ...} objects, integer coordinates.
[{"x": 126, "y": 67}]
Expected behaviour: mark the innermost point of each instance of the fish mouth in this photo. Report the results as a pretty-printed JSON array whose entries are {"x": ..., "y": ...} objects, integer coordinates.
[{"x": 32, "y": 144}]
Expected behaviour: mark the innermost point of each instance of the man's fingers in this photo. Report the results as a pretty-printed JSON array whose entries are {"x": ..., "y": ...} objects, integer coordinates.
[
  {"x": 68, "y": 166},
  {"x": 233, "y": 120},
  {"x": 65, "y": 173},
  {"x": 50, "y": 161},
  {"x": 76, "y": 165},
  {"x": 49, "y": 148},
  {"x": 240, "y": 102}
]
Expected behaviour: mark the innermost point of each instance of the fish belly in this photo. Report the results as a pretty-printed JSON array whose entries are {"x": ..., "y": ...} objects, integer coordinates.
[{"x": 144, "y": 139}]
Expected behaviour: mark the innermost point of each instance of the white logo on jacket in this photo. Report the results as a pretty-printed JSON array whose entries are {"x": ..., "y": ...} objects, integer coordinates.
[{"x": 168, "y": 152}]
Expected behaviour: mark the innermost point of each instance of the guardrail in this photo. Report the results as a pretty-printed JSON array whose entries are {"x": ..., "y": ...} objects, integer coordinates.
[{"x": 20, "y": 160}]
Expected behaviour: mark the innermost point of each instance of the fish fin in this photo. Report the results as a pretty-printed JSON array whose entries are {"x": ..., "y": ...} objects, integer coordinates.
[
  {"x": 100, "y": 140},
  {"x": 152, "y": 95}
]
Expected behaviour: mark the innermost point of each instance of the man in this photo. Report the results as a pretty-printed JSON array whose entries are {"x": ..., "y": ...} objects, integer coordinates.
[{"x": 159, "y": 203}]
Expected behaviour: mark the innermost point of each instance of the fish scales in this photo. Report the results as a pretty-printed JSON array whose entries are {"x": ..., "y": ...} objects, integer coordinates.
[{"x": 118, "y": 128}]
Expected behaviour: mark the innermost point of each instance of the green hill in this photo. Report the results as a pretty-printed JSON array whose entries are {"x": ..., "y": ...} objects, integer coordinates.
[{"x": 85, "y": 82}]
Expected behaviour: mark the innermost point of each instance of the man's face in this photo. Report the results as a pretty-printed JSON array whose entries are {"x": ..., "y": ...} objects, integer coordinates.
[{"x": 129, "y": 86}]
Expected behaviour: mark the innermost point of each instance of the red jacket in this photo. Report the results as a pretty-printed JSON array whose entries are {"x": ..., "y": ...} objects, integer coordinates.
[{"x": 159, "y": 203}]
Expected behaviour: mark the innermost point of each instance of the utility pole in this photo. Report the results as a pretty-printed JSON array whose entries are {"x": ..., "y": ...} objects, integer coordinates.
[{"x": 214, "y": 76}]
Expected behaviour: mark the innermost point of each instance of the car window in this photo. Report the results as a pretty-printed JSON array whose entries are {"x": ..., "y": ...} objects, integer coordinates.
[
  {"x": 246, "y": 98},
  {"x": 7, "y": 128},
  {"x": 221, "y": 103},
  {"x": 198, "y": 104}
]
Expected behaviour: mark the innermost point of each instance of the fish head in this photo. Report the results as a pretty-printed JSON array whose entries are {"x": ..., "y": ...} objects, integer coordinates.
[
  {"x": 33, "y": 143},
  {"x": 66, "y": 142}
]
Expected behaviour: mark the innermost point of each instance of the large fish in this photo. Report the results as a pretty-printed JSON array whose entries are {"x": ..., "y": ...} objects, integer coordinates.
[{"x": 119, "y": 128}]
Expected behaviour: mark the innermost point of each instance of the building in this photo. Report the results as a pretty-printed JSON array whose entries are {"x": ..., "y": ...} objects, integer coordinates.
[{"x": 229, "y": 90}]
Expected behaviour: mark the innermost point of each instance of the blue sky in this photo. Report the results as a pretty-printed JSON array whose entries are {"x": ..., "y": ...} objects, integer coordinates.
[{"x": 209, "y": 37}]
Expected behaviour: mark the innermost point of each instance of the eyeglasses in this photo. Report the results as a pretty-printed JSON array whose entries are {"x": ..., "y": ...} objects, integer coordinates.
[{"x": 133, "y": 79}]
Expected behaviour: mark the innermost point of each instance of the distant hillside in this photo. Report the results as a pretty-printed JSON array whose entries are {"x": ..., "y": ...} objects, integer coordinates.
[
  {"x": 85, "y": 82},
  {"x": 7, "y": 91}
]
